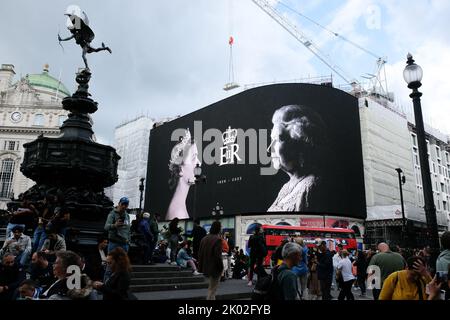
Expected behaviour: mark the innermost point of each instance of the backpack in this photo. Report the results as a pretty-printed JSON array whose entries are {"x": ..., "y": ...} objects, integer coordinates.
[{"x": 268, "y": 288}]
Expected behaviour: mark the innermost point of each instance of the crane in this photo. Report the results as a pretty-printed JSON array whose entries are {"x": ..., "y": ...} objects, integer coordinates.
[{"x": 291, "y": 28}]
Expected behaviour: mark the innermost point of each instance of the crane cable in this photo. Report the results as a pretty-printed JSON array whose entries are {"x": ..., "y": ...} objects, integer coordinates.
[
  {"x": 291, "y": 28},
  {"x": 332, "y": 32}
]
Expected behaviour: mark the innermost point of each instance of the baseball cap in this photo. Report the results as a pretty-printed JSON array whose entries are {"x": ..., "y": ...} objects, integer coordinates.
[{"x": 124, "y": 200}]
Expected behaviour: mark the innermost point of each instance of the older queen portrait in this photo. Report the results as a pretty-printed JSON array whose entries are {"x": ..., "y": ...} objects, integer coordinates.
[
  {"x": 299, "y": 148},
  {"x": 183, "y": 159}
]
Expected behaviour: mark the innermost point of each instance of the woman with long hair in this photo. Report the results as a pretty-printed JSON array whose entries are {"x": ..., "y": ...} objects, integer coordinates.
[{"x": 117, "y": 286}]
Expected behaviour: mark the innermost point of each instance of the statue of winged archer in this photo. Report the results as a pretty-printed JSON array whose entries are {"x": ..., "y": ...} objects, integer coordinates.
[{"x": 78, "y": 25}]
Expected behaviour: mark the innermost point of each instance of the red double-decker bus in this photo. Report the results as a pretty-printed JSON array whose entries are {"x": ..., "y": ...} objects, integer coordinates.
[{"x": 275, "y": 234}]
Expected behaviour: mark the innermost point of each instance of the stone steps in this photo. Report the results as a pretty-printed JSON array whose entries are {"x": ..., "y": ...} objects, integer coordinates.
[
  {"x": 161, "y": 274},
  {"x": 156, "y": 267},
  {"x": 167, "y": 280},
  {"x": 164, "y": 277},
  {"x": 168, "y": 286}
]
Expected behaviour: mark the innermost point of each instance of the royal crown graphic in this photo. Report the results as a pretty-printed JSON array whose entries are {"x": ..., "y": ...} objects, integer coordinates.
[{"x": 229, "y": 136}]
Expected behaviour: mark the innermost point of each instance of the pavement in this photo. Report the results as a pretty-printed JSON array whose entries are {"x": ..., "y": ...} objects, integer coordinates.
[{"x": 228, "y": 290}]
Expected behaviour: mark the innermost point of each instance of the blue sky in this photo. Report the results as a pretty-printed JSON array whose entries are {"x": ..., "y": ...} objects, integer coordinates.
[{"x": 171, "y": 57}]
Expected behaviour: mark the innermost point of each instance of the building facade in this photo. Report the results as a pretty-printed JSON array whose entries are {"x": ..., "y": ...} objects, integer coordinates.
[
  {"x": 389, "y": 143},
  {"x": 29, "y": 107},
  {"x": 131, "y": 141}
]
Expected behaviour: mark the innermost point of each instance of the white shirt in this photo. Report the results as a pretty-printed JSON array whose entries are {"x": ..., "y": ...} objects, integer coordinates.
[
  {"x": 102, "y": 256},
  {"x": 345, "y": 265},
  {"x": 336, "y": 259}
]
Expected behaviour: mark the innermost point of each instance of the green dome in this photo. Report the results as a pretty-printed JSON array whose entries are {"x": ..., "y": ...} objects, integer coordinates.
[{"x": 45, "y": 80}]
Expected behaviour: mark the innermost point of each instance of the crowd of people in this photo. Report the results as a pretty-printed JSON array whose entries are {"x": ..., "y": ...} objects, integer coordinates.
[
  {"x": 36, "y": 265},
  {"x": 397, "y": 274},
  {"x": 35, "y": 262}
]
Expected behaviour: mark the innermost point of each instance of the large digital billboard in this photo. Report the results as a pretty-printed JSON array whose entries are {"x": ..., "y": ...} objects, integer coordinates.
[{"x": 287, "y": 148}]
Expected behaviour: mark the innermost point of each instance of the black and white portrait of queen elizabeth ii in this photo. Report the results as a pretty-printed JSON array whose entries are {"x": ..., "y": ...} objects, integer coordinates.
[
  {"x": 299, "y": 148},
  {"x": 183, "y": 160}
]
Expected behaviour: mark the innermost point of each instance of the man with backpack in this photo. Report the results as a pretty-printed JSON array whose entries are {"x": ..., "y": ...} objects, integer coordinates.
[
  {"x": 282, "y": 284},
  {"x": 287, "y": 279},
  {"x": 258, "y": 252}
]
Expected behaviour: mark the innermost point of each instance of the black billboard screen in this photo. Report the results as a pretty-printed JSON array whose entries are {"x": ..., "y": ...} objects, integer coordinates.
[{"x": 280, "y": 148}]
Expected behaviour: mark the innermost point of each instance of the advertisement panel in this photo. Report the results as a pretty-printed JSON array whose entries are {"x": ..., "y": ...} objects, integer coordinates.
[{"x": 279, "y": 148}]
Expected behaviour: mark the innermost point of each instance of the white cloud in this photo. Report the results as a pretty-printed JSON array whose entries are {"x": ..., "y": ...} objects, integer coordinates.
[
  {"x": 421, "y": 28},
  {"x": 171, "y": 57}
]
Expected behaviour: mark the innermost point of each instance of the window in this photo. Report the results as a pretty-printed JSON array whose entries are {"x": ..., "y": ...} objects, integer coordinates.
[
  {"x": 6, "y": 177},
  {"x": 438, "y": 153},
  {"x": 39, "y": 120},
  {"x": 11, "y": 145},
  {"x": 442, "y": 187},
  {"x": 444, "y": 205},
  {"x": 61, "y": 120},
  {"x": 414, "y": 140}
]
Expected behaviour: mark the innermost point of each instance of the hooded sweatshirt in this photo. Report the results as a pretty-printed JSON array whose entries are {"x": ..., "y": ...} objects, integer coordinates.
[{"x": 443, "y": 261}]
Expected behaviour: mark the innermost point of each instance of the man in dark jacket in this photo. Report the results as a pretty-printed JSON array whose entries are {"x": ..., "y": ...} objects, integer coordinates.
[
  {"x": 11, "y": 275},
  {"x": 147, "y": 241},
  {"x": 155, "y": 232},
  {"x": 210, "y": 258},
  {"x": 41, "y": 270},
  {"x": 325, "y": 270},
  {"x": 198, "y": 233},
  {"x": 258, "y": 252}
]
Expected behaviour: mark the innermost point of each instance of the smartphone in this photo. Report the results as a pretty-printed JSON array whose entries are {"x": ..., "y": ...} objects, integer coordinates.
[{"x": 441, "y": 276}]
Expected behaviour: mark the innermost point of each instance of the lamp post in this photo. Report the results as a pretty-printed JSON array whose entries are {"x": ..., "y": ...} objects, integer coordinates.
[
  {"x": 199, "y": 178},
  {"x": 141, "y": 189},
  {"x": 401, "y": 182},
  {"x": 413, "y": 75}
]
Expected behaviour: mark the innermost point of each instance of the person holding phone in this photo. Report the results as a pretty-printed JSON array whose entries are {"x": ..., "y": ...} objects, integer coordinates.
[
  {"x": 439, "y": 288},
  {"x": 409, "y": 284},
  {"x": 118, "y": 226}
]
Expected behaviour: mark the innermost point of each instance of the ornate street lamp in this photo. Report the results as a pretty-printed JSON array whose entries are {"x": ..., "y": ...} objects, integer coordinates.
[
  {"x": 401, "y": 182},
  {"x": 413, "y": 76},
  {"x": 199, "y": 178},
  {"x": 141, "y": 189},
  {"x": 197, "y": 172}
]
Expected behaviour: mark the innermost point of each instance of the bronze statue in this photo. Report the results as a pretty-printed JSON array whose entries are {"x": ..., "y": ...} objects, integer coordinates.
[{"x": 78, "y": 25}]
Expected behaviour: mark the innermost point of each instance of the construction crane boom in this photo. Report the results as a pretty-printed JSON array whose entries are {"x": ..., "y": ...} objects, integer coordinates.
[{"x": 302, "y": 38}]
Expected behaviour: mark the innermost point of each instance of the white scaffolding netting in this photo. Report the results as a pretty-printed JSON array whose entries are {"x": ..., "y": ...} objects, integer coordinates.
[{"x": 131, "y": 141}]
